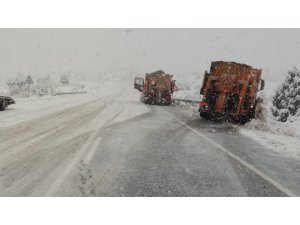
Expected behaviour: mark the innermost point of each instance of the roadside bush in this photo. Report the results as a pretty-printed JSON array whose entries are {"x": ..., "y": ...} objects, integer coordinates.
[{"x": 286, "y": 102}]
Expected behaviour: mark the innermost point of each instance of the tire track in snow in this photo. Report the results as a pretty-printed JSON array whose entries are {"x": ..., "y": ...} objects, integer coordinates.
[{"x": 85, "y": 148}]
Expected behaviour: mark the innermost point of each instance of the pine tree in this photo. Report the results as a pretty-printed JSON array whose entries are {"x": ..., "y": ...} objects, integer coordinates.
[
  {"x": 29, "y": 80},
  {"x": 64, "y": 79},
  {"x": 286, "y": 102}
]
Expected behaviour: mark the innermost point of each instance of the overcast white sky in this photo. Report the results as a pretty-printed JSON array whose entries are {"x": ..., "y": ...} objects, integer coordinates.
[{"x": 177, "y": 51}]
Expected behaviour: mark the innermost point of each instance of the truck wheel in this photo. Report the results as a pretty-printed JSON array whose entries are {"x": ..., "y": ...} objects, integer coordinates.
[
  {"x": 166, "y": 102},
  {"x": 205, "y": 115},
  {"x": 244, "y": 119}
]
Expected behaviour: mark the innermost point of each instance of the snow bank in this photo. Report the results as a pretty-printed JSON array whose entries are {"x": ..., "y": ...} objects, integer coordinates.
[
  {"x": 66, "y": 89},
  {"x": 290, "y": 128},
  {"x": 276, "y": 142},
  {"x": 278, "y": 136}
]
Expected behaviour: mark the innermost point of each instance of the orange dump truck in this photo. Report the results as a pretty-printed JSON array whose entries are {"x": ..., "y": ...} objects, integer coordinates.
[
  {"x": 230, "y": 92},
  {"x": 157, "y": 88}
]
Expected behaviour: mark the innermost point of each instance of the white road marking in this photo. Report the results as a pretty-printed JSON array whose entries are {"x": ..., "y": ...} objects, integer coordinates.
[
  {"x": 92, "y": 151},
  {"x": 233, "y": 156}
]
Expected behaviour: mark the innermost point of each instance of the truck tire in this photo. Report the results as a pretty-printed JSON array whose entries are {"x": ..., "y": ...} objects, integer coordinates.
[
  {"x": 166, "y": 102},
  {"x": 205, "y": 115},
  {"x": 244, "y": 119}
]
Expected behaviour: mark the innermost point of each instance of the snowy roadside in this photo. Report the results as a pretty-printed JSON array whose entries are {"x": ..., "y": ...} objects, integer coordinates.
[
  {"x": 277, "y": 136},
  {"x": 30, "y": 108},
  {"x": 275, "y": 142}
]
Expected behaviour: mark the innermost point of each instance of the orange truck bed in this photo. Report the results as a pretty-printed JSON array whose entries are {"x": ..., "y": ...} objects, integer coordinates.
[{"x": 230, "y": 91}]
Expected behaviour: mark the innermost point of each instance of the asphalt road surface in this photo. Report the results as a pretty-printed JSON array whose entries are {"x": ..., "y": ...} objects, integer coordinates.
[{"x": 86, "y": 151}]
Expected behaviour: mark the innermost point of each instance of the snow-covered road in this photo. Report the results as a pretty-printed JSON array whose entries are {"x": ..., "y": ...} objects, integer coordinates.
[{"x": 113, "y": 145}]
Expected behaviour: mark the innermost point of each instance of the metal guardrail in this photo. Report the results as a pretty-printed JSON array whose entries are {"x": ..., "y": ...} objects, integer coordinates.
[
  {"x": 193, "y": 102},
  {"x": 69, "y": 93}
]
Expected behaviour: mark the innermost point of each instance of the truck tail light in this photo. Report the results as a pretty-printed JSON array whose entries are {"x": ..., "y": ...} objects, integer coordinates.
[
  {"x": 243, "y": 111},
  {"x": 204, "y": 105}
]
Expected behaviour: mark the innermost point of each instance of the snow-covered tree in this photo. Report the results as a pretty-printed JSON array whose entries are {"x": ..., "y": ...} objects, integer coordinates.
[
  {"x": 46, "y": 86},
  {"x": 29, "y": 80},
  {"x": 64, "y": 79},
  {"x": 13, "y": 88},
  {"x": 286, "y": 102}
]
